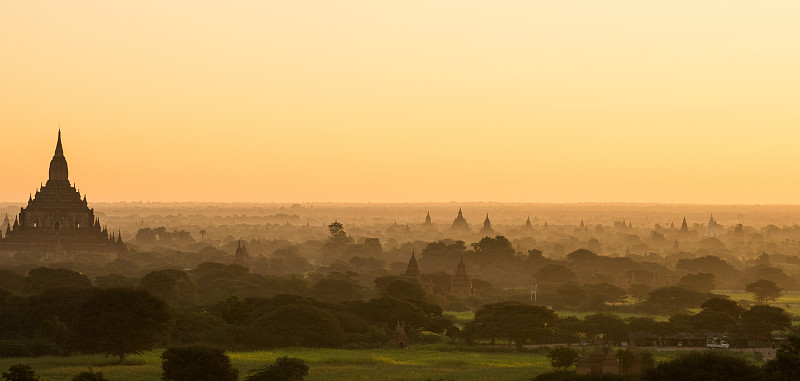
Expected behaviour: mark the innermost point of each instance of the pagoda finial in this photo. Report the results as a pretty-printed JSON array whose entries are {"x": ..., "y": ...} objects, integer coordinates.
[{"x": 59, "y": 149}]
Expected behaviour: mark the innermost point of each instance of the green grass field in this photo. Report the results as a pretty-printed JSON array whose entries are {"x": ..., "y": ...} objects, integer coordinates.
[
  {"x": 324, "y": 364},
  {"x": 790, "y": 301}
]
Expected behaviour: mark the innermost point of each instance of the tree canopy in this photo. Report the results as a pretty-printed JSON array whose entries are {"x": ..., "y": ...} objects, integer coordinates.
[{"x": 121, "y": 321}]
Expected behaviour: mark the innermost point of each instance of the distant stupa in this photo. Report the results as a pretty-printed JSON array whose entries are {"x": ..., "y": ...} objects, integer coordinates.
[
  {"x": 460, "y": 224},
  {"x": 487, "y": 227},
  {"x": 461, "y": 283},
  {"x": 528, "y": 224},
  {"x": 242, "y": 258},
  {"x": 711, "y": 229},
  {"x": 684, "y": 226},
  {"x": 428, "y": 219}
]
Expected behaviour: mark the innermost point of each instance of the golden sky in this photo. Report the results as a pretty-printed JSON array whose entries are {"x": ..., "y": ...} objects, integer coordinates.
[{"x": 394, "y": 101}]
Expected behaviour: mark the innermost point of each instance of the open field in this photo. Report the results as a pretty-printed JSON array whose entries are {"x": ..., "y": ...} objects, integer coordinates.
[
  {"x": 790, "y": 301},
  {"x": 325, "y": 364}
]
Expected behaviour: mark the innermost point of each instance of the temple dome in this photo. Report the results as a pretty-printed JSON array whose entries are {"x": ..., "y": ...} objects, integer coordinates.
[{"x": 58, "y": 166}]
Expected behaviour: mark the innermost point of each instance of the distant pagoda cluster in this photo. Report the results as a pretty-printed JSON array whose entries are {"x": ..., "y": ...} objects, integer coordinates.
[
  {"x": 460, "y": 283},
  {"x": 57, "y": 222}
]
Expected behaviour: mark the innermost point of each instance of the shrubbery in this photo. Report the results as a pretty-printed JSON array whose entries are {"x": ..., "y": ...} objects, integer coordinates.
[{"x": 197, "y": 363}]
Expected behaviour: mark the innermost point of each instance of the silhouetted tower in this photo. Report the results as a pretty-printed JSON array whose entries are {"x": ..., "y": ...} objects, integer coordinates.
[
  {"x": 461, "y": 283},
  {"x": 675, "y": 246},
  {"x": 241, "y": 257},
  {"x": 582, "y": 225},
  {"x": 428, "y": 219},
  {"x": 460, "y": 223},
  {"x": 412, "y": 271},
  {"x": 684, "y": 226},
  {"x": 487, "y": 227},
  {"x": 413, "y": 274},
  {"x": 399, "y": 336},
  {"x": 711, "y": 229},
  {"x": 6, "y": 224},
  {"x": 528, "y": 224},
  {"x": 57, "y": 218}
]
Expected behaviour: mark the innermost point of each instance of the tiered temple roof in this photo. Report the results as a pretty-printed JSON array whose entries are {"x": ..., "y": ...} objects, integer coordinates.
[{"x": 57, "y": 222}]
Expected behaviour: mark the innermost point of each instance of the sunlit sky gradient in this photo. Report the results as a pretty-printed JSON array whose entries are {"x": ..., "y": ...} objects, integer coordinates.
[{"x": 404, "y": 101}]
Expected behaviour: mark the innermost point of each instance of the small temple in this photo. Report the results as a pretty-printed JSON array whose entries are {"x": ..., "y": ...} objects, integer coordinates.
[
  {"x": 487, "y": 227},
  {"x": 461, "y": 283},
  {"x": 460, "y": 224},
  {"x": 242, "y": 258},
  {"x": 684, "y": 226},
  {"x": 57, "y": 222},
  {"x": 412, "y": 273},
  {"x": 428, "y": 219},
  {"x": 711, "y": 229},
  {"x": 528, "y": 224}
]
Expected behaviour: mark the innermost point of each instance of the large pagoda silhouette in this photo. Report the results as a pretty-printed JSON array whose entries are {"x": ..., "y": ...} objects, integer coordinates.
[{"x": 57, "y": 223}]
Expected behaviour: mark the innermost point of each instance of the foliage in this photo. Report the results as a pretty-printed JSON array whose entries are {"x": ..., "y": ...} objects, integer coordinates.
[
  {"x": 89, "y": 375},
  {"x": 562, "y": 357},
  {"x": 572, "y": 376},
  {"x": 171, "y": 286},
  {"x": 283, "y": 369},
  {"x": 121, "y": 321},
  {"x": 786, "y": 364},
  {"x": 761, "y": 320},
  {"x": 764, "y": 290},
  {"x": 516, "y": 321},
  {"x": 197, "y": 363},
  {"x": 701, "y": 282},
  {"x": 298, "y": 325},
  {"x": 672, "y": 299},
  {"x": 44, "y": 278},
  {"x": 20, "y": 372},
  {"x": 704, "y": 366}
]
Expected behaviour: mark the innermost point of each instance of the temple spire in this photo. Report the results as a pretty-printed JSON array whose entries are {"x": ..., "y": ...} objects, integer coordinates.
[
  {"x": 58, "y": 165},
  {"x": 59, "y": 149}
]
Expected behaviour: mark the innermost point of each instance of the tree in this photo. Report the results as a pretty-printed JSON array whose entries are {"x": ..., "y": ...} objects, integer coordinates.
[
  {"x": 761, "y": 320},
  {"x": 338, "y": 239},
  {"x": 704, "y": 366},
  {"x": 512, "y": 320},
  {"x": 283, "y": 369},
  {"x": 336, "y": 289},
  {"x": 601, "y": 293},
  {"x": 607, "y": 326},
  {"x": 44, "y": 278},
  {"x": 702, "y": 282},
  {"x": 299, "y": 325},
  {"x": 20, "y": 372},
  {"x": 172, "y": 286},
  {"x": 764, "y": 290},
  {"x": 121, "y": 321},
  {"x": 89, "y": 375},
  {"x": 489, "y": 248},
  {"x": 786, "y": 364},
  {"x": 197, "y": 363},
  {"x": 555, "y": 274},
  {"x": 723, "y": 305},
  {"x": 672, "y": 299},
  {"x": 562, "y": 357},
  {"x": 203, "y": 235},
  {"x": 403, "y": 289},
  {"x": 638, "y": 291}
]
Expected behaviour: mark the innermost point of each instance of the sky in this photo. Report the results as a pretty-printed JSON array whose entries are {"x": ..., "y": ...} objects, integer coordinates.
[{"x": 404, "y": 101}]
